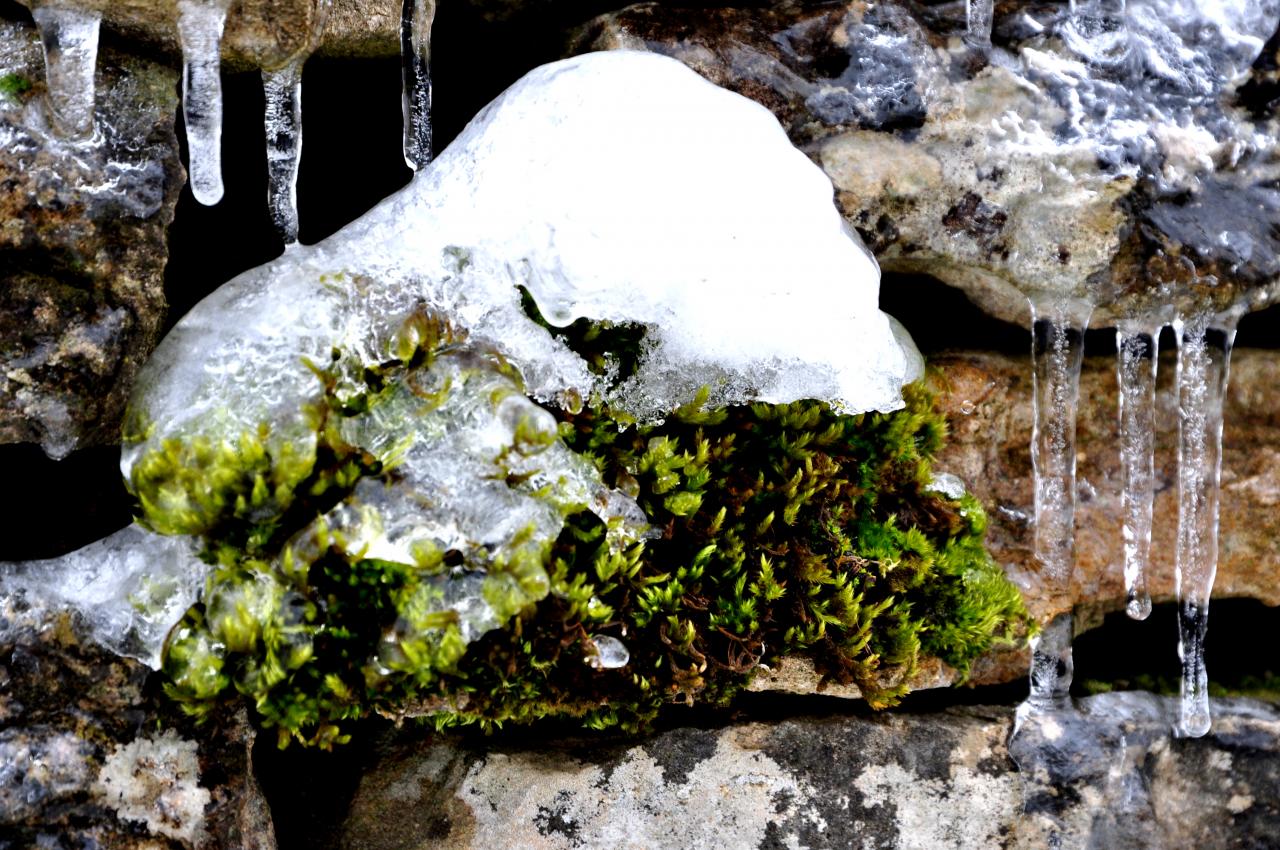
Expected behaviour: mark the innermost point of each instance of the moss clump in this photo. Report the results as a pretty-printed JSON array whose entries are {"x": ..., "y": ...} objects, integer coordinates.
[
  {"x": 14, "y": 85},
  {"x": 777, "y": 530}
]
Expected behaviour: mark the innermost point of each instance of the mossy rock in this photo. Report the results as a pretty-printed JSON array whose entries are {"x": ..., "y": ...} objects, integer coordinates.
[{"x": 775, "y": 530}]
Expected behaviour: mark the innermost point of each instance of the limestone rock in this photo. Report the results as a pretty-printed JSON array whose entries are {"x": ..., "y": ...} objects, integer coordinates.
[
  {"x": 934, "y": 781},
  {"x": 1070, "y": 158},
  {"x": 987, "y": 399},
  {"x": 83, "y": 244},
  {"x": 83, "y": 760}
]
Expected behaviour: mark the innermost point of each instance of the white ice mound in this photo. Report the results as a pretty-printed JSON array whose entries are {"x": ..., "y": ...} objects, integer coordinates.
[{"x": 616, "y": 186}]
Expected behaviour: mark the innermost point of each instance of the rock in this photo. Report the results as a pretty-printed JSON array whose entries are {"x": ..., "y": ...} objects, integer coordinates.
[
  {"x": 941, "y": 780},
  {"x": 263, "y": 33},
  {"x": 91, "y": 755},
  {"x": 1054, "y": 162},
  {"x": 83, "y": 246}
]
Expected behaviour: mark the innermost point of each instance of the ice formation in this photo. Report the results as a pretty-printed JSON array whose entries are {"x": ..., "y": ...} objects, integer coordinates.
[
  {"x": 745, "y": 275},
  {"x": 1137, "y": 357},
  {"x": 282, "y": 94},
  {"x": 416, "y": 18},
  {"x": 610, "y": 653},
  {"x": 1204, "y": 359},
  {"x": 1057, "y": 354},
  {"x": 1140, "y": 88},
  {"x": 69, "y": 36},
  {"x": 979, "y": 15},
  {"x": 130, "y": 587},
  {"x": 200, "y": 24}
]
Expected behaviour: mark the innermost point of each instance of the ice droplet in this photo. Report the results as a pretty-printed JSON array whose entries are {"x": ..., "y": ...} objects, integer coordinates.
[
  {"x": 200, "y": 24},
  {"x": 947, "y": 485},
  {"x": 1057, "y": 352},
  {"x": 69, "y": 36},
  {"x": 1204, "y": 359},
  {"x": 416, "y": 17},
  {"x": 1137, "y": 359},
  {"x": 610, "y": 653}
]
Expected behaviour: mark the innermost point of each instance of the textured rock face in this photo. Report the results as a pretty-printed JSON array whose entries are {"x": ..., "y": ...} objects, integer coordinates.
[
  {"x": 1061, "y": 161},
  {"x": 264, "y": 33},
  {"x": 83, "y": 760},
  {"x": 987, "y": 399},
  {"x": 889, "y": 781},
  {"x": 82, "y": 246}
]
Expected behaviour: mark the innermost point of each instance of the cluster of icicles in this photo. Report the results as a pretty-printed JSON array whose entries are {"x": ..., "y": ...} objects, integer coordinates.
[
  {"x": 1204, "y": 343},
  {"x": 70, "y": 39}
]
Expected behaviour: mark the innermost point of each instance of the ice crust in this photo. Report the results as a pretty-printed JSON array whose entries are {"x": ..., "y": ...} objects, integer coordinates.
[
  {"x": 130, "y": 588},
  {"x": 710, "y": 229}
]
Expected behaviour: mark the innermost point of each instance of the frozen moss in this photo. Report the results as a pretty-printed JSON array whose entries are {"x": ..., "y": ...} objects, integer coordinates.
[{"x": 440, "y": 545}]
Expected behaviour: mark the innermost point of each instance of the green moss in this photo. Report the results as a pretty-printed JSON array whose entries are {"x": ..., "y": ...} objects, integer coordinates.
[
  {"x": 14, "y": 85},
  {"x": 779, "y": 530}
]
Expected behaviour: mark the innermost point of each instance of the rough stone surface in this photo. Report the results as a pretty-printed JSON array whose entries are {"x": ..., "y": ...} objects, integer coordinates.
[
  {"x": 83, "y": 245},
  {"x": 83, "y": 760},
  {"x": 987, "y": 398},
  {"x": 1036, "y": 166},
  {"x": 264, "y": 33},
  {"x": 932, "y": 781}
]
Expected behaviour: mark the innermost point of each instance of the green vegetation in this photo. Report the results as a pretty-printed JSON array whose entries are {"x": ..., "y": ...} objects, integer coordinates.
[
  {"x": 14, "y": 85},
  {"x": 777, "y": 530}
]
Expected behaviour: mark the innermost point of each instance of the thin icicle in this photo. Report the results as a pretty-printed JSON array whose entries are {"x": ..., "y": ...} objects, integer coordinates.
[
  {"x": 979, "y": 15},
  {"x": 69, "y": 36},
  {"x": 200, "y": 24},
  {"x": 1204, "y": 360},
  {"x": 1137, "y": 356},
  {"x": 1057, "y": 352},
  {"x": 282, "y": 89},
  {"x": 416, "y": 17}
]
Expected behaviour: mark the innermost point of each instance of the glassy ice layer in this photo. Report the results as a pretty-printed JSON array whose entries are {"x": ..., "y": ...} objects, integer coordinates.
[
  {"x": 200, "y": 24},
  {"x": 130, "y": 588},
  {"x": 416, "y": 18},
  {"x": 1137, "y": 359},
  {"x": 1057, "y": 354},
  {"x": 69, "y": 36},
  {"x": 1204, "y": 360}
]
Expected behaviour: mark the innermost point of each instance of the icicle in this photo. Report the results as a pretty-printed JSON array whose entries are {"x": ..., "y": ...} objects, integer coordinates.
[
  {"x": 416, "y": 17},
  {"x": 1204, "y": 359},
  {"x": 200, "y": 24},
  {"x": 282, "y": 89},
  {"x": 978, "y": 19},
  {"x": 69, "y": 36},
  {"x": 1057, "y": 353},
  {"x": 1136, "y": 363}
]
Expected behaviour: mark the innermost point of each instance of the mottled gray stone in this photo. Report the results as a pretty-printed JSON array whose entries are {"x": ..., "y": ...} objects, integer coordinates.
[
  {"x": 935, "y": 780},
  {"x": 83, "y": 245}
]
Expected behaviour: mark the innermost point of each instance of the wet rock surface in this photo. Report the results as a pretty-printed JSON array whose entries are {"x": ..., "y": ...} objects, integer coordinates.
[
  {"x": 1069, "y": 158},
  {"x": 83, "y": 246},
  {"x": 942, "y": 780},
  {"x": 987, "y": 400},
  {"x": 92, "y": 756}
]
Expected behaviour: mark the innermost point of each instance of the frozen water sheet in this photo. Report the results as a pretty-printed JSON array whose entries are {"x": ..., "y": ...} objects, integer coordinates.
[{"x": 713, "y": 231}]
